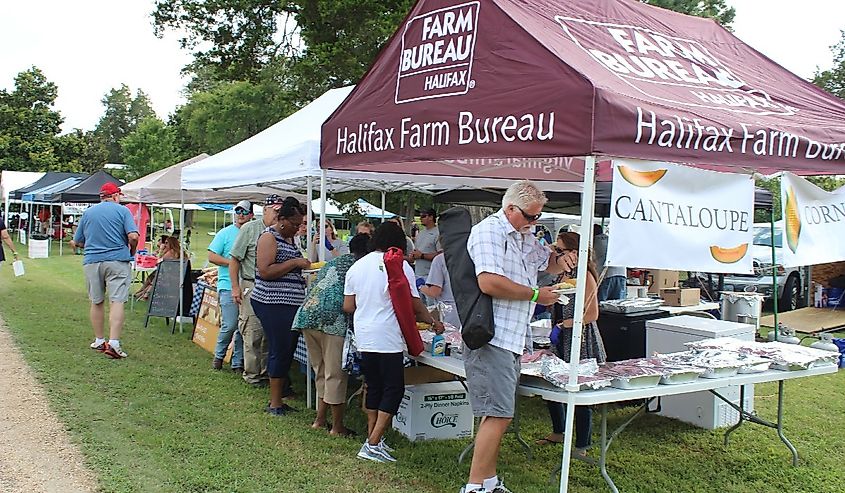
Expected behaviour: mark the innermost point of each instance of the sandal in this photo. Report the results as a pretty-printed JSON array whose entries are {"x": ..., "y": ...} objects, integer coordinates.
[
  {"x": 547, "y": 441},
  {"x": 348, "y": 433}
]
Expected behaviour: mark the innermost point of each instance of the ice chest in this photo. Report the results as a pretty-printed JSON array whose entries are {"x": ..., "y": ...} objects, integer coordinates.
[
  {"x": 434, "y": 411},
  {"x": 681, "y": 296}
]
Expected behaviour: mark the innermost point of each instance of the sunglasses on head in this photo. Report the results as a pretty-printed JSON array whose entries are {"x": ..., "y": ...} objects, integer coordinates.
[
  {"x": 529, "y": 217},
  {"x": 242, "y": 212}
]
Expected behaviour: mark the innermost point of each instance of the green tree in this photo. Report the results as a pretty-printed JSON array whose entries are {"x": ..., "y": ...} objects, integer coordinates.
[
  {"x": 122, "y": 115},
  {"x": 833, "y": 80},
  {"x": 235, "y": 37},
  {"x": 81, "y": 151},
  {"x": 215, "y": 120},
  {"x": 28, "y": 123},
  {"x": 149, "y": 148},
  {"x": 717, "y": 10}
]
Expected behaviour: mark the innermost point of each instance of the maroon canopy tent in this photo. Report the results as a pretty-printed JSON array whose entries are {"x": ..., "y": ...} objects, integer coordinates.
[
  {"x": 542, "y": 89},
  {"x": 510, "y": 89}
]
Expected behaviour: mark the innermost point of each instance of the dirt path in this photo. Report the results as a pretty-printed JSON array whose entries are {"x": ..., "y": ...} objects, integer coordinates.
[{"x": 36, "y": 453}]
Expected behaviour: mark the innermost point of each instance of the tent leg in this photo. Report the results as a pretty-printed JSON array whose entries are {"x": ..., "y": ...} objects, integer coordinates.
[
  {"x": 322, "y": 230},
  {"x": 309, "y": 234},
  {"x": 182, "y": 258},
  {"x": 588, "y": 196}
]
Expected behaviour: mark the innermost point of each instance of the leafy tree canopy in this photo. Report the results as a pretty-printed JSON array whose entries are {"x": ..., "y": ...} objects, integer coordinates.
[
  {"x": 149, "y": 148},
  {"x": 717, "y": 10},
  {"x": 122, "y": 115},
  {"x": 215, "y": 120},
  {"x": 833, "y": 80},
  {"x": 28, "y": 124}
]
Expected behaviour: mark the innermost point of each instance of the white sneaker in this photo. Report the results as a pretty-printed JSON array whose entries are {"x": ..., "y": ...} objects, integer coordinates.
[
  {"x": 383, "y": 452},
  {"x": 369, "y": 452},
  {"x": 500, "y": 488},
  {"x": 385, "y": 446},
  {"x": 463, "y": 490}
]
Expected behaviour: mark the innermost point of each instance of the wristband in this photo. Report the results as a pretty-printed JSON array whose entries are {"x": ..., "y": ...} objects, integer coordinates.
[{"x": 536, "y": 294}]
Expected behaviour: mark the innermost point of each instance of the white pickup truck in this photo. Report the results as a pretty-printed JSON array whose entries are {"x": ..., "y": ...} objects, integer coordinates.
[{"x": 788, "y": 280}]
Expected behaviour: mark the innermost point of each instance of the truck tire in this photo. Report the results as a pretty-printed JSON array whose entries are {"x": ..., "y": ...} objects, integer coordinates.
[{"x": 791, "y": 297}]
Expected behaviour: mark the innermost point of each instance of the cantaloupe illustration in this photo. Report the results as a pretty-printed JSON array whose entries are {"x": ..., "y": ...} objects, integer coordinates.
[
  {"x": 641, "y": 178},
  {"x": 791, "y": 220},
  {"x": 729, "y": 255}
]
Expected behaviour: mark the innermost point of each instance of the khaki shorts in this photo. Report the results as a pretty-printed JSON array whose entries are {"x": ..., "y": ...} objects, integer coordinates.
[
  {"x": 492, "y": 379},
  {"x": 112, "y": 276}
]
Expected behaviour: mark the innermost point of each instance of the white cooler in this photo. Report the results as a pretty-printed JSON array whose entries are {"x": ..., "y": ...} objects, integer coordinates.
[
  {"x": 39, "y": 248},
  {"x": 702, "y": 409}
]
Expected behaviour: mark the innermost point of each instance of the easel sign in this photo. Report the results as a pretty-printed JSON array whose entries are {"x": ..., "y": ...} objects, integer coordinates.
[{"x": 164, "y": 301}]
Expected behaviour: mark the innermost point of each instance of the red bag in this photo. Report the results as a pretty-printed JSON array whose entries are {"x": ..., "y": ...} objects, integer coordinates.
[{"x": 400, "y": 297}]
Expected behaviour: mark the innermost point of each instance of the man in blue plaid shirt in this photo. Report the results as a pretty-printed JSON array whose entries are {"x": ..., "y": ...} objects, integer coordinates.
[{"x": 507, "y": 258}]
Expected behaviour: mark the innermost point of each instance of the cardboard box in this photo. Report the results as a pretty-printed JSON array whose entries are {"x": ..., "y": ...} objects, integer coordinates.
[
  {"x": 662, "y": 279},
  {"x": 208, "y": 324},
  {"x": 434, "y": 411},
  {"x": 416, "y": 375},
  {"x": 681, "y": 296}
]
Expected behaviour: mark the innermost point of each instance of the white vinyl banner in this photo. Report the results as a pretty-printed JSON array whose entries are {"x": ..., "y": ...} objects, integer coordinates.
[
  {"x": 813, "y": 222},
  {"x": 667, "y": 216}
]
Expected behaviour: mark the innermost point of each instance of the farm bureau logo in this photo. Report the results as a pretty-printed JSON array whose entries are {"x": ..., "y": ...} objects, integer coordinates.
[
  {"x": 651, "y": 62},
  {"x": 437, "y": 53},
  {"x": 439, "y": 420}
]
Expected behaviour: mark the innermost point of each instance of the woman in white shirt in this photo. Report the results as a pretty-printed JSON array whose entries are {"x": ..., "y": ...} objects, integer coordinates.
[{"x": 378, "y": 336}]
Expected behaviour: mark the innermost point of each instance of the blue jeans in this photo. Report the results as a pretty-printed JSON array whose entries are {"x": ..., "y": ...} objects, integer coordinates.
[
  {"x": 228, "y": 329},
  {"x": 276, "y": 321},
  {"x": 583, "y": 422},
  {"x": 613, "y": 288}
]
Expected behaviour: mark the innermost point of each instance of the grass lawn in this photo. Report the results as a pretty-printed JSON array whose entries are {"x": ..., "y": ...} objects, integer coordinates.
[{"x": 162, "y": 420}]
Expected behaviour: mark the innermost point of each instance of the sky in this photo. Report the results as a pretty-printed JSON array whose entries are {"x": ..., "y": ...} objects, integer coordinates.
[{"x": 88, "y": 47}]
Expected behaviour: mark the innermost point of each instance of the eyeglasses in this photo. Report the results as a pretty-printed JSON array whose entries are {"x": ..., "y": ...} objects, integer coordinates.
[
  {"x": 242, "y": 212},
  {"x": 529, "y": 217}
]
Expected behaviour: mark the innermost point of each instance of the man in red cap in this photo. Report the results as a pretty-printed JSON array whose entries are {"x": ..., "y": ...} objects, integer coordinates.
[{"x": 109, "y": 236}]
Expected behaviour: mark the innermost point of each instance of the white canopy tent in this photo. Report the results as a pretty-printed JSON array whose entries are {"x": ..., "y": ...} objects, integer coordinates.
[
  {"x": 13, "y": 180},
  {"x": 165, "y": 186}
]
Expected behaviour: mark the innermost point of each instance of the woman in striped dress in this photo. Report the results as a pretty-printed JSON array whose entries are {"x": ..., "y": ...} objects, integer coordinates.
[{"x": 278, "y": 293}]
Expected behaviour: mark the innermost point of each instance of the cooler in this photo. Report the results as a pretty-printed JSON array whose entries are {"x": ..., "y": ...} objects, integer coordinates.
[
  {"x": 624, "y": 333},
  {"x": 701, "y": 409}
]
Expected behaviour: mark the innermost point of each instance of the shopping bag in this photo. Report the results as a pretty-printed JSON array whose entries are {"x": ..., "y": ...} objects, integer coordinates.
[
  {"x": 17, "y": 265},
  {"x": 350, "y": 357}
]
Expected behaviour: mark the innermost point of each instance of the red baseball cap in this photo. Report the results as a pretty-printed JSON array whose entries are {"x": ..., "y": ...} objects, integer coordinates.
[{"x": 109, "y": 189}]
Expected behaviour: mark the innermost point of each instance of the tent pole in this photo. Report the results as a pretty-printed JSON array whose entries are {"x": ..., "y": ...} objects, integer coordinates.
[
  {"x": 383, "y": 194},
  {"x": 182, "y": 256},
  {"x": 588, "y": 196},
  {"x": 309, "y": 234},
  {"x": 322, "y": 230},
  {"x": 61, "y": 228},
  {"x": 775, "y": 274}
]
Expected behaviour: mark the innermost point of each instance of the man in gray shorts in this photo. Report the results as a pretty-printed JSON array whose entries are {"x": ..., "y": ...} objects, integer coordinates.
[
  {"x": 507, "y": 259},
  {"x": 109, "y": 236}
]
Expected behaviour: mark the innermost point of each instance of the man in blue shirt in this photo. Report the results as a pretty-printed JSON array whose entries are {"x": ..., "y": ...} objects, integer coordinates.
[
  {"x": 219, "y": 254},
  {"x": 109, "y": 236}
]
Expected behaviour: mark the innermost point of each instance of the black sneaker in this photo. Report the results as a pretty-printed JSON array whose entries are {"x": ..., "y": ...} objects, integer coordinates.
[{"x": 275, "y": 411}]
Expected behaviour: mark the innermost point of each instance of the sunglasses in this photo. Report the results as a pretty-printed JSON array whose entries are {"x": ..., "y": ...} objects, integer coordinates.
[
  {"x": 242, "y": 212},
  {"x": 529, "y": 217}
]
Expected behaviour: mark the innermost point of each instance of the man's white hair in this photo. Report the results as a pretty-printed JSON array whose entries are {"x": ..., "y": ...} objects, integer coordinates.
[{"x": 523, "y": 194}]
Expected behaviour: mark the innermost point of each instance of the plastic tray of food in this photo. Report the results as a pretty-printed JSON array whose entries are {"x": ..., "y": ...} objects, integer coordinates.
[
  {"x": 721, "y": 372},
  {"x": 755, "y": 368},
  {"x": 635, "y": 382},
  {"x": 633, "y": 305},
  {"x": 680, "y": 377}
]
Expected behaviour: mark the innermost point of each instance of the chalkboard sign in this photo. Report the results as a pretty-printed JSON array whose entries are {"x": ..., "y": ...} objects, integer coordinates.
[{"x": 164, "y": 300}]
